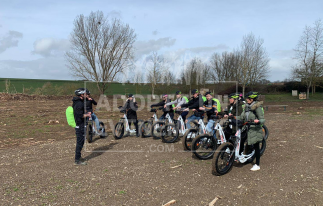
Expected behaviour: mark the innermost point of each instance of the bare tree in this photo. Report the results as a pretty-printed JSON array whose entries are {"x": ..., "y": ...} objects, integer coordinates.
[
  {"x": 101, "y": 49},
  {"x": 155, "y": 66},
  {"x": 309, "y": 55},
  {"x": 254, "y": 61},
  {"x": 224, "y": 67}
]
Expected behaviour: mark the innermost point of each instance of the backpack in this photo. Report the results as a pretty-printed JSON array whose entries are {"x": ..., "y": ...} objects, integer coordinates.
[
  {"x": 218, "y": 104},
  {"x": 70, "y": 116}
]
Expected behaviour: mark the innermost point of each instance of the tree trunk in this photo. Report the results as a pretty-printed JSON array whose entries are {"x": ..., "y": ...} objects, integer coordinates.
[
  {"x": 243, "y": 89},
  {"x": 308, "y": 93}
]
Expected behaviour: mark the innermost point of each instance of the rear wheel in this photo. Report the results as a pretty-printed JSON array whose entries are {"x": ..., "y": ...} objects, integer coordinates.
[
  {"x": 169, "y": 133},
  {"x": 188, "y": 138},
  {"x": 156, "y": 129},
  {"x": 265, "y": 132},
  {"x": 262, "y": 147},
  {"x": 204, "y": 146},
  {"x": 223, "y": 159},
  {"x": 145, "y": 129},
  {"x": 119, "y": 130},
  {"x": 89, "y": 133}
]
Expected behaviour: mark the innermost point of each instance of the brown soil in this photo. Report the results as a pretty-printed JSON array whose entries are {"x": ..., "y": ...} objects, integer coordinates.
[{"x": 36, "y": 163}]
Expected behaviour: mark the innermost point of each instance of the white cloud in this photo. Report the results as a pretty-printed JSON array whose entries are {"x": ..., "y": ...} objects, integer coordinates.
[
  {"x": 146, "y": 47},
  {"x": 50, "y": 47},
  {"x": 44, "y": 68},
  {"x": 10, "y": 40},
  {"x": 155, "y": 32},
  {"x": 280, "y": 68}
]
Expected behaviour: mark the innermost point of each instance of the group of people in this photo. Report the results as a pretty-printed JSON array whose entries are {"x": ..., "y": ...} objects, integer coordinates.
[{"x": 245, "y": 110}]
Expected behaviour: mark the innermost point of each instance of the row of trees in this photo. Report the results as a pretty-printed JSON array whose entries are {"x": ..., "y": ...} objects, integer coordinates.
[
  {"x": 248, "y": 65},
  {"x": 103, "y": 49},
  {"x": 309, "y": 56}
]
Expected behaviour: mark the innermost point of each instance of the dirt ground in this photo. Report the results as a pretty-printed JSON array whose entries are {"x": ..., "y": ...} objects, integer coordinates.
[{"x": 36, "y": 162}]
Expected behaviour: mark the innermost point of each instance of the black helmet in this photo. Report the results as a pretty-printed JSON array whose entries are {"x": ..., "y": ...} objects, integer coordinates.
[
  {"x": 88, "y": 91},
  {"x": 79, "y": 91},
  {"x": 210, "y": 93},
  {"x": 234, "y": 95},
  {"x": 178, "y": 92},
  {"x": 252, "y": 95},
  {"x": 130, "y": 95}
]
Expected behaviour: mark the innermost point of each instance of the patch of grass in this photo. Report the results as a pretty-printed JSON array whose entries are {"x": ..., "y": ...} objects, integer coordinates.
[
  {"x": 122, "y": 192},
  {"x": 163, "y": 161},
  {"x": 15, "y": 189},
  {"x": 287, "y": 97},
  {"x": 59, "y": 187}
]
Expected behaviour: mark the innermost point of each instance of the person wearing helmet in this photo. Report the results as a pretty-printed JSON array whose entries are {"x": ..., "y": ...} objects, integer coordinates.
[
  {"x": 195, "y": 103},
  {"x": 180, "y": 100},
  {"x": 235, "y": 107},
  {"x": 241, "y": 99},
  {"x": 89, "y": 102},
  {"x": 131, "y": 107},
  {"x": 253, "y": 112},
  {"x": 79, "y": 116},
  {"x": 167, "y": 110},
  {"x": 234, "y": 110},
  {"x": 210, "y": 106}
]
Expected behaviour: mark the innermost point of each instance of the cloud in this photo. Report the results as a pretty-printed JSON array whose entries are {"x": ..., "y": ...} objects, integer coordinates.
[
  {"x": 280, "y": 68},
  {"x": 10, "y": 40},
  {"x": 50, "y": 47},
  {"x": 114, "y": 14},
  {"x": 155, "y": 32},
  {"x": 145, "y": 47},
  {"x": 44, "y": 68}
]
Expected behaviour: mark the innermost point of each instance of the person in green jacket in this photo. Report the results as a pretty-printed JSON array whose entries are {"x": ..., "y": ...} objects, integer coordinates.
[{"x": 253, "y": 112}]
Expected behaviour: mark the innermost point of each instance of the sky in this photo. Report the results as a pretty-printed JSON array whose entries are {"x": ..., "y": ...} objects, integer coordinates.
[{"x": 34, "y": 34}]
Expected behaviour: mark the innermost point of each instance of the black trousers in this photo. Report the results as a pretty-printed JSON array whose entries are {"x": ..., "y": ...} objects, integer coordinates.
[
  {"x": 135, "y": 122},
  {"x": 79, "y": 131}
]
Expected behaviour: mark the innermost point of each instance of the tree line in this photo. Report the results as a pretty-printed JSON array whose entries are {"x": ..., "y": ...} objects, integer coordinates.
[{"x": 103, "y": 50}]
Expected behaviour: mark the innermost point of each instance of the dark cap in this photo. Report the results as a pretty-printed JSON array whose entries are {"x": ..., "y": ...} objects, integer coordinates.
[
  {"x": 130, "y": 95},
  {"x": 195, "y": 91},
  {"x": 210, "y": 93},
  {"x": 178, "y": 92}
]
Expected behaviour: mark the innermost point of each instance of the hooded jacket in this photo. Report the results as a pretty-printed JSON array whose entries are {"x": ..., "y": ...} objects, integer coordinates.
[
  {"x": 236, "y": 108},
  {"x": 89, "y": 104},
  {"x": 131, "y": 107},
  {"x": 195, "y": 103},
  {"x": 179, "y": 102},
  {"x": 168, "y": 108},
  {"x": 252, "y": 112},
  {"x": 78, "y": 107}
]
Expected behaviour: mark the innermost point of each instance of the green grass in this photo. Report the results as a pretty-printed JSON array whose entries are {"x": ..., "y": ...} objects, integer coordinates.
[
  {"x": 65, "y": 87},
  {"x": 287, "y": 97}
]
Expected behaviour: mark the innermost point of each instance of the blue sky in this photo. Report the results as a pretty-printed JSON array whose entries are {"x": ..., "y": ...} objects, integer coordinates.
[{"x": 35, "y": 34}]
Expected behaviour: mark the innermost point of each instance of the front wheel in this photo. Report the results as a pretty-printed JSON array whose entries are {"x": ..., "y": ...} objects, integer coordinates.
[
  {"x": 223, "y": 159},
  {"x": 188, "y": 138},
  {"x": 145, "y": 129},
  {"x": 89, "y": 133},
  {"x": 169, "y": 133},
  {"x": 262, "y": 147},
  {"x": 102, "y": 130},
  {"x": 118, "y": 130},
  {"x": 204, "y": 146}
]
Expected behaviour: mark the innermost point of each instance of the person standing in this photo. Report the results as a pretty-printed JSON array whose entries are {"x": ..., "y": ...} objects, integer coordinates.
[
  {"x": 253, "y": 112},
  {"x": 131, "y": 107},
  {"x": 79, "y": 116}
]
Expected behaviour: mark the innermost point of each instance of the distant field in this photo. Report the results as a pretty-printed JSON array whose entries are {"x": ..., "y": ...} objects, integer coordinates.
[
  {"x": 288, "y": 97},
  {"x": 65, "y": 87}
]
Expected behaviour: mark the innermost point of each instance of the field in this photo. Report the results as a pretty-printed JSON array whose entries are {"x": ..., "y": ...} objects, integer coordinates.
[{"x": 36, "y": 166}]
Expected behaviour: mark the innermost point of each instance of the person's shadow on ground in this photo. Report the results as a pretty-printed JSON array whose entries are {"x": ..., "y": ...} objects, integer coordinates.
[{"x": 100, "y": 150}]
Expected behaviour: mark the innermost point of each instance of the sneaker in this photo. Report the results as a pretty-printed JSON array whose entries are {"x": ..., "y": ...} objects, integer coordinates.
[
  {"x": 255, "y": 168},
  {"x": 83, "y": 159},
  {"x": 77, "y": 163}
]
